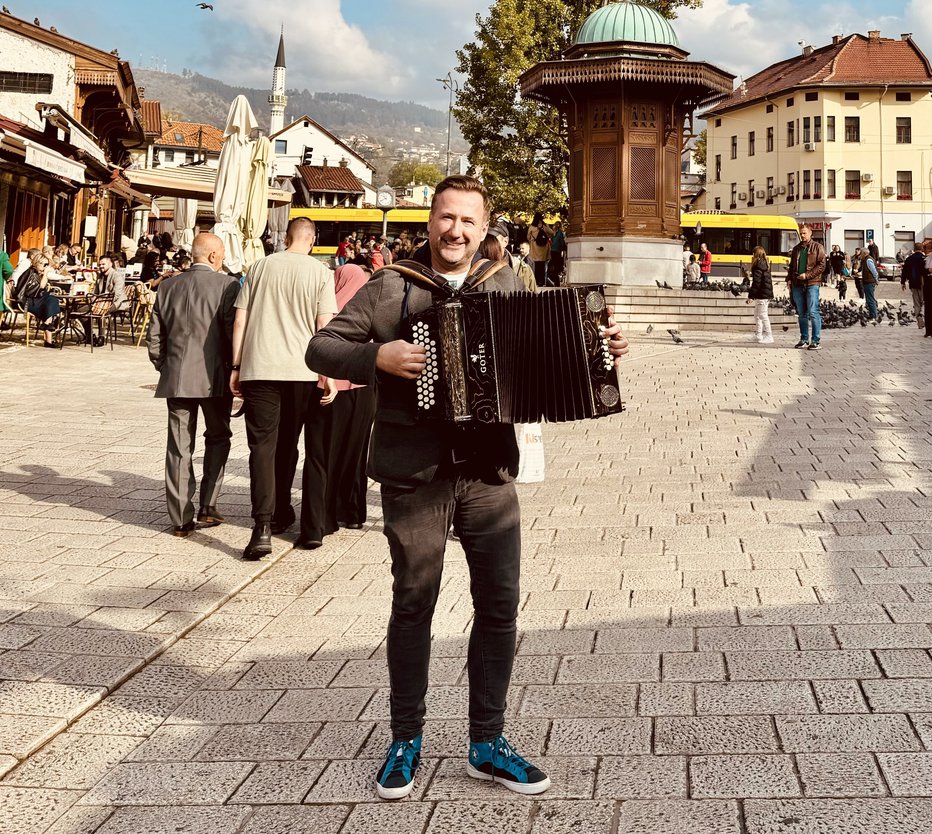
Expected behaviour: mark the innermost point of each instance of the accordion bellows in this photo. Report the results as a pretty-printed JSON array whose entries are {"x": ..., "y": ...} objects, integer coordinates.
[{"x": 495, "y": 357}]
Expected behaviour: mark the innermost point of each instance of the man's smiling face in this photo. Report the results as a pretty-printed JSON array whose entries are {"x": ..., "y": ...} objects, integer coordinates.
[{"x": 457, "y": 225}]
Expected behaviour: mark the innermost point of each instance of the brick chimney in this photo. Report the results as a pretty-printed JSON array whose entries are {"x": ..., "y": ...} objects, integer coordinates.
[
  {"x": 906, "y": 36},
  {"x": 836, "y": 39},
  {"x": 874, "y": 36}
]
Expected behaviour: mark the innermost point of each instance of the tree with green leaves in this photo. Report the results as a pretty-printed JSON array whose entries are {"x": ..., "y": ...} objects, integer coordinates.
[
  {"x": 519, "y": 146},
  {"x": 409, "y": 172},
  {"x": 701, "y": 152}
]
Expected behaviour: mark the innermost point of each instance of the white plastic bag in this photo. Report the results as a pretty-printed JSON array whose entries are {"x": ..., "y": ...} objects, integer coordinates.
[{"x": 531, "y": 451}]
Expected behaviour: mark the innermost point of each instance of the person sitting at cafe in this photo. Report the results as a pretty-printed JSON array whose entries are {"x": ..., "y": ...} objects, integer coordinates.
[
  {"x": 32, "y": 295},
  {"x": 151, "y": 272}
]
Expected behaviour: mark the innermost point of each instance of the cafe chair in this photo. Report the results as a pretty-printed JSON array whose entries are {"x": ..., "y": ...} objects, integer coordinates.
[
  {"x": 17, "y": 310},
  {"x": 100, "y": 311}
]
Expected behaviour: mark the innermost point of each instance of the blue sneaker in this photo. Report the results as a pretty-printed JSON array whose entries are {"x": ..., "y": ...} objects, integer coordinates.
[
  {"x": 497, "y": 761},
  {"x": 396, "y": 776}
]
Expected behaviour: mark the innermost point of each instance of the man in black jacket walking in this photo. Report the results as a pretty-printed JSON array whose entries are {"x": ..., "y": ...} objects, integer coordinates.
[{"x": 914, "y": 268}]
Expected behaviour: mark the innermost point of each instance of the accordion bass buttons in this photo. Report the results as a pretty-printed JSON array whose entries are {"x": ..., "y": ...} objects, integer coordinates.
[{"x": 595, "y": 302}]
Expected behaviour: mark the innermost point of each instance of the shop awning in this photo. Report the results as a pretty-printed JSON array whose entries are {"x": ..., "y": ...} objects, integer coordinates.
[
  {"x": 43, "y": 158},
  {"x": 195, "y": 182},
  {"x": 122, "y": 188}
]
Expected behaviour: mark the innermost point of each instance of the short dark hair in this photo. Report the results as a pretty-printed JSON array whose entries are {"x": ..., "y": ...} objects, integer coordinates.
[
  {"x": 459, "y": 182},
  {"x": 299, "y": 222}
]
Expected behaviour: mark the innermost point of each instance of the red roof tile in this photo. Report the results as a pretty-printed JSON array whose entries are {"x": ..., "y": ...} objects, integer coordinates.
[
  {"x": 190, "y": 135},
  {"x": 151, "y": 113},
  {"x": 334, "y": 178},
  {"x": 854, "y": 61}
]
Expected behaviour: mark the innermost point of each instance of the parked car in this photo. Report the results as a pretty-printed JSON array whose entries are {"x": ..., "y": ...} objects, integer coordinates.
[{"x": 889, "y": 268}]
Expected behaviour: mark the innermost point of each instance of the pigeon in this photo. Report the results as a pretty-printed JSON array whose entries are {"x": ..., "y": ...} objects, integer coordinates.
[
  {"x": 53, "y": 29},
  {"x": 671, "y": 332},
  {"x": 650, "y": 329},
  {"x": 205, "y": 6},
  {"x": 666, "y": 286},
  {"x": 863, "y": 323},
  {"x": 6, "y": 10},
  {"x": 659, "y": 285},
  {"x": 735, "y": 292},
  {"x": 785, "y": 327},
  {"x": 36, "y": 21},
  {"x": 676, "y": 339},
  {"x": 892, "y": 322}
]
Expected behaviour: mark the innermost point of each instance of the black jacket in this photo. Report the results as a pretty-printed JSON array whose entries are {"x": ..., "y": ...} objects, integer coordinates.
[
  {"x": 761, "y": 282},
  {"x": 914, "y": 267}
]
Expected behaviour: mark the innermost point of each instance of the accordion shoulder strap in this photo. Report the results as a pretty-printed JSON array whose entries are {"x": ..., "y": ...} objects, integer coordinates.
[
  {"x": 480, "y": 272},
  {"x": 417, "y": 273}
]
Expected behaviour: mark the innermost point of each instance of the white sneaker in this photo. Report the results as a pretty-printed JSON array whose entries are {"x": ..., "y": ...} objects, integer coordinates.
[
  {"x": 767, "y": 340},
  {"x": 754, "y": 339}
]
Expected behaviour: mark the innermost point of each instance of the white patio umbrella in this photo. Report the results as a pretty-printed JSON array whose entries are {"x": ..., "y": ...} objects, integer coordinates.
[
  {"x": 185, "y": 218},
  {"x": 278, "y": 218},
  {"x": 233, "y": 181},
  {"x": 256, "y": 214}
]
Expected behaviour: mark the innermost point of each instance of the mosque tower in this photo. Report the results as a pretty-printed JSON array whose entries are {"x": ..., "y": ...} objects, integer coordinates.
[{"x": 278, "y": 100}]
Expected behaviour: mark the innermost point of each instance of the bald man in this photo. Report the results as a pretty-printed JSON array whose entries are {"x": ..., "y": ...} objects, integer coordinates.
[{"x": 190, "y": 344}]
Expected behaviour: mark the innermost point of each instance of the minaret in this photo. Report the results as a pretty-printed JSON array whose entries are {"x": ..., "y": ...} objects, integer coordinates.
[{"x": 278, "y": 99}]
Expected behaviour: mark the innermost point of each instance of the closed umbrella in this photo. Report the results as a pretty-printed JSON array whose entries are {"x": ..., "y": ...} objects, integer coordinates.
[
  {"x": 278, "y": 219},
  {"x": 256, "y": 214},
  {"x": 233, "y": 181},
  {"x": 185, "y": 218}
]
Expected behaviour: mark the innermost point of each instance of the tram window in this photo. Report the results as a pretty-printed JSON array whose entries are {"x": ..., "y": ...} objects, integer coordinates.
[{"x": 327, "y": 233}]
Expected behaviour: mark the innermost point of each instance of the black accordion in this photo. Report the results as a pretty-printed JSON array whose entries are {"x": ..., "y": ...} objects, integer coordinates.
[{"x": 516, "y": 357}]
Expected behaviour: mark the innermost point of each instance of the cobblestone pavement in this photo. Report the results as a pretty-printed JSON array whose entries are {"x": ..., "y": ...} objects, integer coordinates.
[{"x": 724, "y": 625}]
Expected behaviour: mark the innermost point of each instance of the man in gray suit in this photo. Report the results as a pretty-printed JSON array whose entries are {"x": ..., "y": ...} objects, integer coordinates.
[{"x": 190, "y": 339}]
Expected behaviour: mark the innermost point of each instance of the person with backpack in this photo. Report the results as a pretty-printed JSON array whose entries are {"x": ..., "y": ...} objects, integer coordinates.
[
  {"x": 538, "y": 238},
  {"x": 761, "y": 294}
]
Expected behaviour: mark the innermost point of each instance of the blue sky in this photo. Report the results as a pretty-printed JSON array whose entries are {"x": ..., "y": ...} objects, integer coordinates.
[{"x": 395, "y": 49}]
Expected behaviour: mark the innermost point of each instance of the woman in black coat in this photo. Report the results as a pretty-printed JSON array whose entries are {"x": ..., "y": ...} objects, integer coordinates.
[{"x": 761, "y": 294}]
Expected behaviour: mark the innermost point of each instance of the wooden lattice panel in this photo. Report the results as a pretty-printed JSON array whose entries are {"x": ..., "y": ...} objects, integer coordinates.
[
  {"x": 576, "y": 176},
  {"x": 604, "y": 173},
  {"x": 643, "y": 115},
  {"x": 643, "y": 177},
  {"x": 603, "y": 117}
]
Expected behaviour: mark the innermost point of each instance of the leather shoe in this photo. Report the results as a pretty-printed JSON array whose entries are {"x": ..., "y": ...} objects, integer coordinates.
[
  {"x": 281, "y": 524},
  {"x": 353, "y": 526},
  {"x": 209, "y": 516},
  {"x": 184, "y": 531},
  {"x": 307, "y": 544},
  {"x": 260, "y": 544}
]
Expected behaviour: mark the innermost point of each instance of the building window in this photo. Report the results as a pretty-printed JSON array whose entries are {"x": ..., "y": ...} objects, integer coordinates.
[
  {"x": 904, "y": 130},
  {"x": 817, "y": 184},
  {"x": 852, "y": 185},
  {"x": 791, "y": 186},
  {"x": 812, "y": 96},
  {"x": 169, "y": 155},
  {"x": 904, "y": 185},
  {"x": 769, "y": 190},
  {"x": 816, "y": 128},
  {"x": 718, "y": 167},
  {"x": 770, "y": 108},
  {"x": 751, "y": 143},
  {"x": 281, "y": 147},
  {"x": 769, "y": 140},
  {"x": 718, "y": 122},
  {"x": 718, "y": 203},
  {"x": 852, "y": 96},
  {"x": 26, "y": 82},
  {"x": 734, "y": 147},
  {"x": 807, "y": 129},
  {"x": 830, "y": 184},
  {"x": 904, "y": 96},
  {"x": 807, "y": 185},
  {"x": 734, "y": 195},
  {"x": 789, "y": 102},
  {"x": 790, "y": 133},
  {"x": 188, "y": 157},
  {"x": 829, "y": 128},
  {"x": 750, "y": 192},
  {"x": 852, "y": 128}
]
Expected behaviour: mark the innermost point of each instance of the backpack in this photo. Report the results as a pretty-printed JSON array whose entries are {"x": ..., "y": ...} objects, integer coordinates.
[{"x": 541, "y": 238}]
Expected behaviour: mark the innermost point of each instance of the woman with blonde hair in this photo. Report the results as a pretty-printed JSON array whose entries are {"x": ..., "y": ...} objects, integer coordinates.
[{"x": 761, "y": 294}]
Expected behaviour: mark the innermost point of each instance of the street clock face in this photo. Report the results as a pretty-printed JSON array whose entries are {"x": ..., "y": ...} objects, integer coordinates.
[{"x": 384, "y": 199}]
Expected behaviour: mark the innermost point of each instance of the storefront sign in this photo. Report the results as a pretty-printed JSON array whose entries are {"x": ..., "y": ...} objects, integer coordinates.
[
  {"x": 819, "y": 226},
  {"x": 53, "y": 163},
  {"x": 80, "y": 141}
]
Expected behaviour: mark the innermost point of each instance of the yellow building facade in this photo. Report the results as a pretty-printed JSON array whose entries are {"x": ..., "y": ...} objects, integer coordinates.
[{"x": 839, "y": 137}]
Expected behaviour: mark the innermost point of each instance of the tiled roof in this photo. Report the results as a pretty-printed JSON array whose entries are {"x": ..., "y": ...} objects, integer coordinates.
[
  {"x": 151, "y": 113},
  {"x": 333, "y": 178},
  {"x": 853, "y": 61},
  {"x": 186, "y": 135}
]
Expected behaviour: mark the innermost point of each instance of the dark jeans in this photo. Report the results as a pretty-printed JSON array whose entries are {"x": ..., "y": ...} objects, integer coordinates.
[
  {"x": 276, "y": 413},
  {"x": 416, "y": 521},
  {"x": 540, "y": 273}
]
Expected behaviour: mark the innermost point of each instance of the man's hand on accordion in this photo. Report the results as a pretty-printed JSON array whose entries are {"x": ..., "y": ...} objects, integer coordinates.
[
  {"x": 617, "y": 344},
  {"x": 401, "y": 358}
]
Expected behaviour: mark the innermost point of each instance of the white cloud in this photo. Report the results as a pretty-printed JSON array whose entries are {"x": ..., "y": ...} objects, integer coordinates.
[{"x": 918, "y": 16}]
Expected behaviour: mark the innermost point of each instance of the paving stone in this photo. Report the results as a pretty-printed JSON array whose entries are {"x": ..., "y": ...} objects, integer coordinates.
[
  {"x": 160, "y": 680},
  {"x": 168, "y": 783},
  {"x": 27, "y": 810},
  {"x": 745, "y": 638},
  {"x": 839, "y": 697},
  {"x": 339, "y": 740},
  {"x": 907, "y": 774},
  {"x": 643, "y": 640},
  {"x": 572, "y": 778},
  {"x": 815, "y": 665},
  {"x": 290, "y": 675},
  {"x": 826, "y": 614},
  {"x": 579, "y": 701},
  {"x": 126, "y": 716},
  {"x": 21, "y": 734},
  {"x": 73, "y": 761},
  {"x": 47, "y": 699},
  {"x": 714, "y": 734},
  {"x": 896, "y": 663},
  {"x": 309, "y": 705},
  {"x": 676, "y": 816},
  {"x": 722, "y": 777},
  {"x": 839, "y": 774},
  {"x": 354, "y": 781},
  {"x": 368, "y": 818},
  {"x": 80, "y": 820},
  {"x": 225, "y": 707},
  {"x": 27, "y": 665},
  {"x": 583, "y": 668},
  {"x": 284, "y": 819},
  {"x": 557, "y": 643},
  {"x": 845, "y": 733},
  {"x": 642, "y": 777},
  {"x": 884, "y": 636},
  {"x": 273, "y": 783},
  {"x": 204, "y": 820},
  {"x": 94, "y": 670},
  {"x": 902, "y": 695},
  {"x": 560, "y": 817},
  {"x": 173, "y": 743},
  {"x": 489, "y": 815},
  {"x": 754, "y": 698},
  {"x": 695, "y": 666},
  {"x": 837, "y": 816}
]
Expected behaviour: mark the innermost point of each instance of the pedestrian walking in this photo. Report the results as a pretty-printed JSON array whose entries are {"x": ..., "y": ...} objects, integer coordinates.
[
  {"x": 705, "y": 263},
  {"x": 538, "y": 238},
  {"x": 190, "y": 335},
  {"x": 869, "y": 279},
  {"x": 557, "y": 255},
  {"x": 857, "y": 265},
  {"x": 285, "y": 299},
  {"x": 914, "y": 268},
  {"x": 873, "y": 250},
  {"x": 804, "y": 276},
  {"x": 434, "y": 475},
  {"x": 927, "y": 287},
  {"x": 761, "y": 294},
  {"x": 842, "y": 287}
]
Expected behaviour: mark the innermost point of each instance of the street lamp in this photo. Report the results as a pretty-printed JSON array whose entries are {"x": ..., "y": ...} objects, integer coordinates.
[{"x": 451, "y": 84}]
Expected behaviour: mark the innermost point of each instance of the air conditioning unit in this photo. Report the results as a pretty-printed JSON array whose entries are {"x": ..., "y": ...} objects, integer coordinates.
[
  {"x": 781, "y": 189},
  {"x": 889, "y": 190},
  {"x": 867, "y": 177},
  {"x": 742, "y": 196},
  {"x": 761, "y": 195},
  {"x": 809, "y": 146}
]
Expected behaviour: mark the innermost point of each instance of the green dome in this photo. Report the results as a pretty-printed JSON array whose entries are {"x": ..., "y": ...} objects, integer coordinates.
[{"x": 629, "y": 21}]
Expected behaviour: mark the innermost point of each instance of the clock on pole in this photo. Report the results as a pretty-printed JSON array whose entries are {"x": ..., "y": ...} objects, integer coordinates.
[{"x": 385, "y": 200}]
